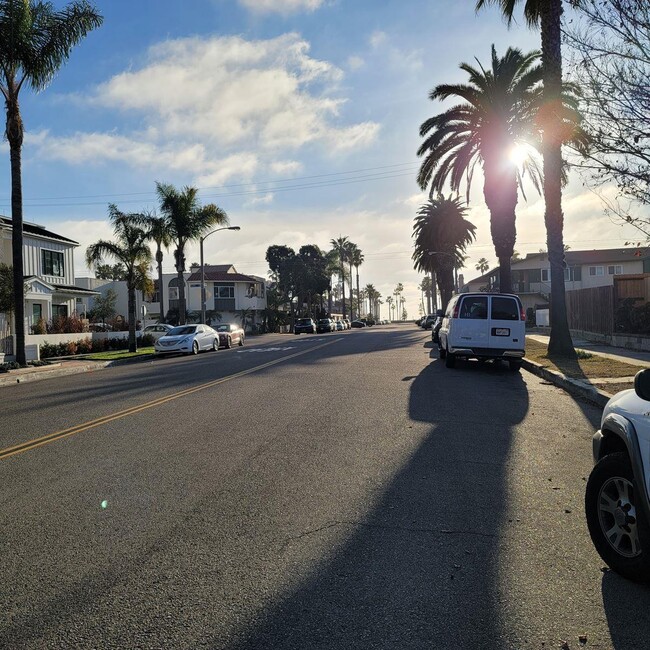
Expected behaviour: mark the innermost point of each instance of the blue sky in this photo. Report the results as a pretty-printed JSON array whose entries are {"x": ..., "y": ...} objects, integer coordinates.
[{"x": 298, "y": 117}]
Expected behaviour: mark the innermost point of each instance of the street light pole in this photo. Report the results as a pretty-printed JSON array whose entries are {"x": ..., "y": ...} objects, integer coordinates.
[{"x": 201, "y": 240}]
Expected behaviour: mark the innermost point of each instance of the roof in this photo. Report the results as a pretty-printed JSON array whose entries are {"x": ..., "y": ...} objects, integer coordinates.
[
  {"x": 629, "y": 254},
  {"x": 219, "y": 276},
  {"x": 36, "y": 230}
]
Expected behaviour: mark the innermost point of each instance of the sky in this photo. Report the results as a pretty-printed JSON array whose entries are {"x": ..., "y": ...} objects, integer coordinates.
[{"x": 299, "y": 118}]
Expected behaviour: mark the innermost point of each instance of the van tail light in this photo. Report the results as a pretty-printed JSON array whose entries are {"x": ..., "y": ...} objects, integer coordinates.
[
  {"x": 523, "y": 314},
  {"x": 456, "y": 308}
]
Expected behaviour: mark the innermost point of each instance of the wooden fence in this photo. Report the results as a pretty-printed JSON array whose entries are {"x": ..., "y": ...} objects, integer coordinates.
[
  {"x": 591, "y": 310},
  {"x": 632, "y": 286}
]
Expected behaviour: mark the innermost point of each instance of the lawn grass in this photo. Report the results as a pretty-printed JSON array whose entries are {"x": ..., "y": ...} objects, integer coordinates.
[
  {"x": 114, "y": 355},
  {"x": 587, "y": 366}
]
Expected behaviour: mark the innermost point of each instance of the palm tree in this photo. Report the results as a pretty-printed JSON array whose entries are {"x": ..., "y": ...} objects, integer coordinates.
[
  {"x": 35, "y": 41},
  {"x": 441, "y": 234},
  {"x": 389, "y": 302},
  {"x": 557, "y": 129},
  {"x": 187, "y": 221},
  {"x": 397, "y": 292},
  {"x": 483, "y": 266},
  {"x": 131, "y": 249},
  {"x": 371, "y": 292},
  {"x": 497, "y": 114},
  {"x": 357, "y": 261},
  {"x": 158, "y": 232},
  {"x": 340, "y": 246}
]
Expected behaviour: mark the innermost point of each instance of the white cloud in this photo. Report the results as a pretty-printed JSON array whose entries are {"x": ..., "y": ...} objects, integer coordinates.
[
  {"x": 355, "y": 62},
  {"x": 280, "y": 6},
  {"x": 266, "y": 199},
  {"x": 286, "y": 167},
  {"x": 250, "y": 101}
]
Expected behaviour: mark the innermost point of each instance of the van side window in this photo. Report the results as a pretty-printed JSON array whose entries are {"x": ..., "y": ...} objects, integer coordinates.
[
  {"x": 475, "y": 308},
  {"x": 450, "y": 307},
  {"x": 504, "y": 309}
]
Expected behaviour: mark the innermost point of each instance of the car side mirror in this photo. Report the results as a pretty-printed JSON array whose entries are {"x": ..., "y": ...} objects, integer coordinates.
[{"x": 642, "y": 384}]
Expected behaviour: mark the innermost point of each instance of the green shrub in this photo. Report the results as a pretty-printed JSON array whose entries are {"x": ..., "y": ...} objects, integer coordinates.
[{"x": 146, "y": 341}]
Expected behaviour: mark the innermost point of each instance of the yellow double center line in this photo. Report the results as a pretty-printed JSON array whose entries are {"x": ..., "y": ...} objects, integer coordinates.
[{"x": 58, "y": 435}]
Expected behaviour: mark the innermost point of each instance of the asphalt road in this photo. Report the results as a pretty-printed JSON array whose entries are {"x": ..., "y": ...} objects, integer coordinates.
[{"x": 336, "y": 491}]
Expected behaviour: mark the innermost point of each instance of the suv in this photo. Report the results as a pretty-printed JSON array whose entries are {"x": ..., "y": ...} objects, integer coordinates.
[
  {"x": 304, "y": 326},
  {"x": 483, "y": 326},
  {"x": 324, "y": 325},
  {"x": 616, "y": 499}
]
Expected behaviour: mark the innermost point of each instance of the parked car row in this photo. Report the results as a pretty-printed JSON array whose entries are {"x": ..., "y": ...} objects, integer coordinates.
[
  {"x": 311, "y": 326},
  {"x": 192, "y": 339}
]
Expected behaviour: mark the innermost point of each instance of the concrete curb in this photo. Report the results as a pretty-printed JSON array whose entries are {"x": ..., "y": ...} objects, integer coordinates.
[
  {"x": 573, "y": 386},
  {"x": 24, "y": 376}
]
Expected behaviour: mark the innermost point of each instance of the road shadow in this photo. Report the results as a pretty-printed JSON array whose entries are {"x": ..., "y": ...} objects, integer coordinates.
[
  {"x": 419, "y": 570},
  {"x": 626, "y": 607}
]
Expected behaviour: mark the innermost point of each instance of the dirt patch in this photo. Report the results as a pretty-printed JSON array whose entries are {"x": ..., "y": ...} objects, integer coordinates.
[
  {"x": 595, "y": 367},
  {"x": 615, "y": 388}
]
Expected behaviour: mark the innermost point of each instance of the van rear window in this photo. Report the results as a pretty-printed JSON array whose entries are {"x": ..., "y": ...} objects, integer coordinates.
[
  {"x": 504, "y": 309},
  {"x": 475, "y": 308}
]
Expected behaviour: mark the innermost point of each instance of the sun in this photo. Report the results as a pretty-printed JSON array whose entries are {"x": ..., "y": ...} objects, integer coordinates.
[{"x": 518, "y": 155}]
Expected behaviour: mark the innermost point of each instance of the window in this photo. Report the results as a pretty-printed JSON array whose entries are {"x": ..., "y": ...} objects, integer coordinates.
[
  {"x": 504, "y": 309},
  {"x": 224, "y": 291},
  {"x": 545, "y": 275},
  {"x": 616, "y": 269},
  {"x": 53, "y": 263},
  {"x": 37, "y": 311},
  {"x": 573, "y": 274},
  {"x": 596, "y": 271},
  {"x": 59, "y": 311},
  {"x": 474, "y": 308}
]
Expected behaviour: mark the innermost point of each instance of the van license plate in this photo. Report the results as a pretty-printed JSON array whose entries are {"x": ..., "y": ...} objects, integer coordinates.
[{"x": 502, "y": 331}]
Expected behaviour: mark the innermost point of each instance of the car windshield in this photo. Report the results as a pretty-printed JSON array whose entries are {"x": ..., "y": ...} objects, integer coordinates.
[
  {"x": 324, "y": 320},
  {"x": 304, "y": 321},
  {"x": 223, "y": 328},
  {"x": 182, "y": 329}
]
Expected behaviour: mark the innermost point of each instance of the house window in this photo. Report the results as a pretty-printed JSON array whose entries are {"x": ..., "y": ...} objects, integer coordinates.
[
  {"x": 545, "y": 275},
  {"x": 224, "y": 290},
  {"x": 37, "y": 311},
  {"x": 573, "y": 274},
  {"x": 616, "y": 269},
  {"x": 53, "y": 263},
  {"x": 597, "y": 271},
  {"x": 59, "y": 311}
]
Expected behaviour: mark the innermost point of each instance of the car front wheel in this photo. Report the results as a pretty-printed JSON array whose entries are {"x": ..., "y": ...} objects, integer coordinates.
[
  {"x": 215, "y": 345},
  {"x": 241, "y": 341},
  {"x": 195, "y": 347},
  {"x": 228, "y": 343},
  {"x": 616, "y": 523}
]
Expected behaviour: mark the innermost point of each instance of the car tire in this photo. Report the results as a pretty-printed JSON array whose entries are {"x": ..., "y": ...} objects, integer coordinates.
[
  {"x": 215, "y": 345},
  {"x": 612, "y": 495},
  {"x": 442, "y": 353},
  {"x": 514, "y": 365},
  {"x": 241, "y": 341},
  {"x": 195, "y": 347},
  {"x": 450, "y": 359},
  {"x": 228, "y": 343}
]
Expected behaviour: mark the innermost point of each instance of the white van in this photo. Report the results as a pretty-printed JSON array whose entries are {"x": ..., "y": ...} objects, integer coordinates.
[{"x": 483, "y": 326}]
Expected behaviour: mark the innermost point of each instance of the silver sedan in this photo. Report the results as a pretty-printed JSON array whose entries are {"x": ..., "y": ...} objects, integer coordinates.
[{"x": 187, "y": 339}]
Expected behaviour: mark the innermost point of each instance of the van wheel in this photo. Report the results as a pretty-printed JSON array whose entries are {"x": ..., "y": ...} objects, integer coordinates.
[
  {"x": 515, "y": 366},
  {"x": 441, "y": 351},
  {"x": 450, "y": 360}
]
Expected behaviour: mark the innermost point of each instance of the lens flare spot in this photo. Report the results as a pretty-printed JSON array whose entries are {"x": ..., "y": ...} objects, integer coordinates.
[{"x": 104, "y": 504}]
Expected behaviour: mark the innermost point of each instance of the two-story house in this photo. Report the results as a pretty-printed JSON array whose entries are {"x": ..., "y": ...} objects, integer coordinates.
[
  {"x": 531, "y": 276},
  {"x": 48, "y": 266}
]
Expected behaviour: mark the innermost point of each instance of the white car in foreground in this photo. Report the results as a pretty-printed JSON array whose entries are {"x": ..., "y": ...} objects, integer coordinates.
[
  {"x": 616, "y": 501},
  {"x": 187, "y": 339}
]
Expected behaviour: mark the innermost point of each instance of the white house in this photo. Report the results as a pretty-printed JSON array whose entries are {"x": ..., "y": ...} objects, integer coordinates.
[{"x": 48, "y": 266}]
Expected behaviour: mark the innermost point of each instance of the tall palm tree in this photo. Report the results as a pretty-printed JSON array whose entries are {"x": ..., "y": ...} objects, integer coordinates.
[
  {"x": 159, "y": 233},
  {"x": 371, "y": 292},
  {"x": 332, "y": 267},
  {"x": 187, "y": 221},
  {"x": 130, "y": 248},
  {"x": 397, "y": 292},
  {"x": 389, "y": 302},
  {"x": 357, "y": 260},
  {"x": 35, "y": 41},
  {"x": 547, "y": 14},
  {"x": 441, "y": 234},
  {"x": 340, "y": 245},
  {"x": 497, "y": 114}
]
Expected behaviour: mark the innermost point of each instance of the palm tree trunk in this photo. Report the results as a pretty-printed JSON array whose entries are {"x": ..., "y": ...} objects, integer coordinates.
[
  {"x": 343, "y": 287},
  {"x": 358, "y": 295},
  {"x": 133, "y": 345},
  {"x": 14, "y": 134},
  {"x": 161, "y": 292},
  {"x": 560, "y": 343}
]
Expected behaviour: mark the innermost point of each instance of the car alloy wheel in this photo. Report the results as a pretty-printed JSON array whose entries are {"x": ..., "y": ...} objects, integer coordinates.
[
  {"x": 241, "y": 341},
  {"x": 617, "y": 526},
  {"x": 228, "y": 343},
  {"x": 195, "y": 347},
  {"x": 215, "y": 345}
]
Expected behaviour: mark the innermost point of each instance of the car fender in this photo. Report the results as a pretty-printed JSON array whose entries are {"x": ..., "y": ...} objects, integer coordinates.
[{"x": 618, "y": 427}]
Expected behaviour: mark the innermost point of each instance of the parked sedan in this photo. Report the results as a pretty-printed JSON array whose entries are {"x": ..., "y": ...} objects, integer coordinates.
[
  {"x": 229, "y": 334},
  {"x": 324, "y": 325},
  {"x": 304, "y": 326},
  {"x": 187, "y": 339},
  {"x": 358, "y": 323},
  {"x": 340, "y": 325},
  {"x": 156, "y": 331}
]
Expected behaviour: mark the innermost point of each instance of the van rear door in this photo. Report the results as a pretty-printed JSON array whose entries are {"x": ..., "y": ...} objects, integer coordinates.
[
  {"x": 506, "y": 329},
  {"x": 471, "y": 326}
]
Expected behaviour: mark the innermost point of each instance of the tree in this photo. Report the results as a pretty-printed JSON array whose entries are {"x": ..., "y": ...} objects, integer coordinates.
[
  {"x": 425, "y": 288},
  {"x": 187, "y": 221},
  {"x": 113, "y": 272},
  {"x": 610, "y": 60},
  {"x": 389, "y": 302},
  {"x": 340, "y": 246},
  {"x": 497, "y": 116},
  {"x": 557, "y": 127},
  {"x": 357, "y": 260},
  {"x": 441, "y": 233},
  {"x": 483, "y": 266},
  {"x": 35, "y": 41},
  {"x": 130, "y": 248},
  {"x": 159, "y": 232},
  {"x": 105, "y": 306}
]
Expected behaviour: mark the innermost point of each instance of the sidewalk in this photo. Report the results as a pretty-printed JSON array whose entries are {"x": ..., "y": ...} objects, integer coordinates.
[
  {"x": 597, "y": 390},
  {"x": 56, "y": 369}
]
